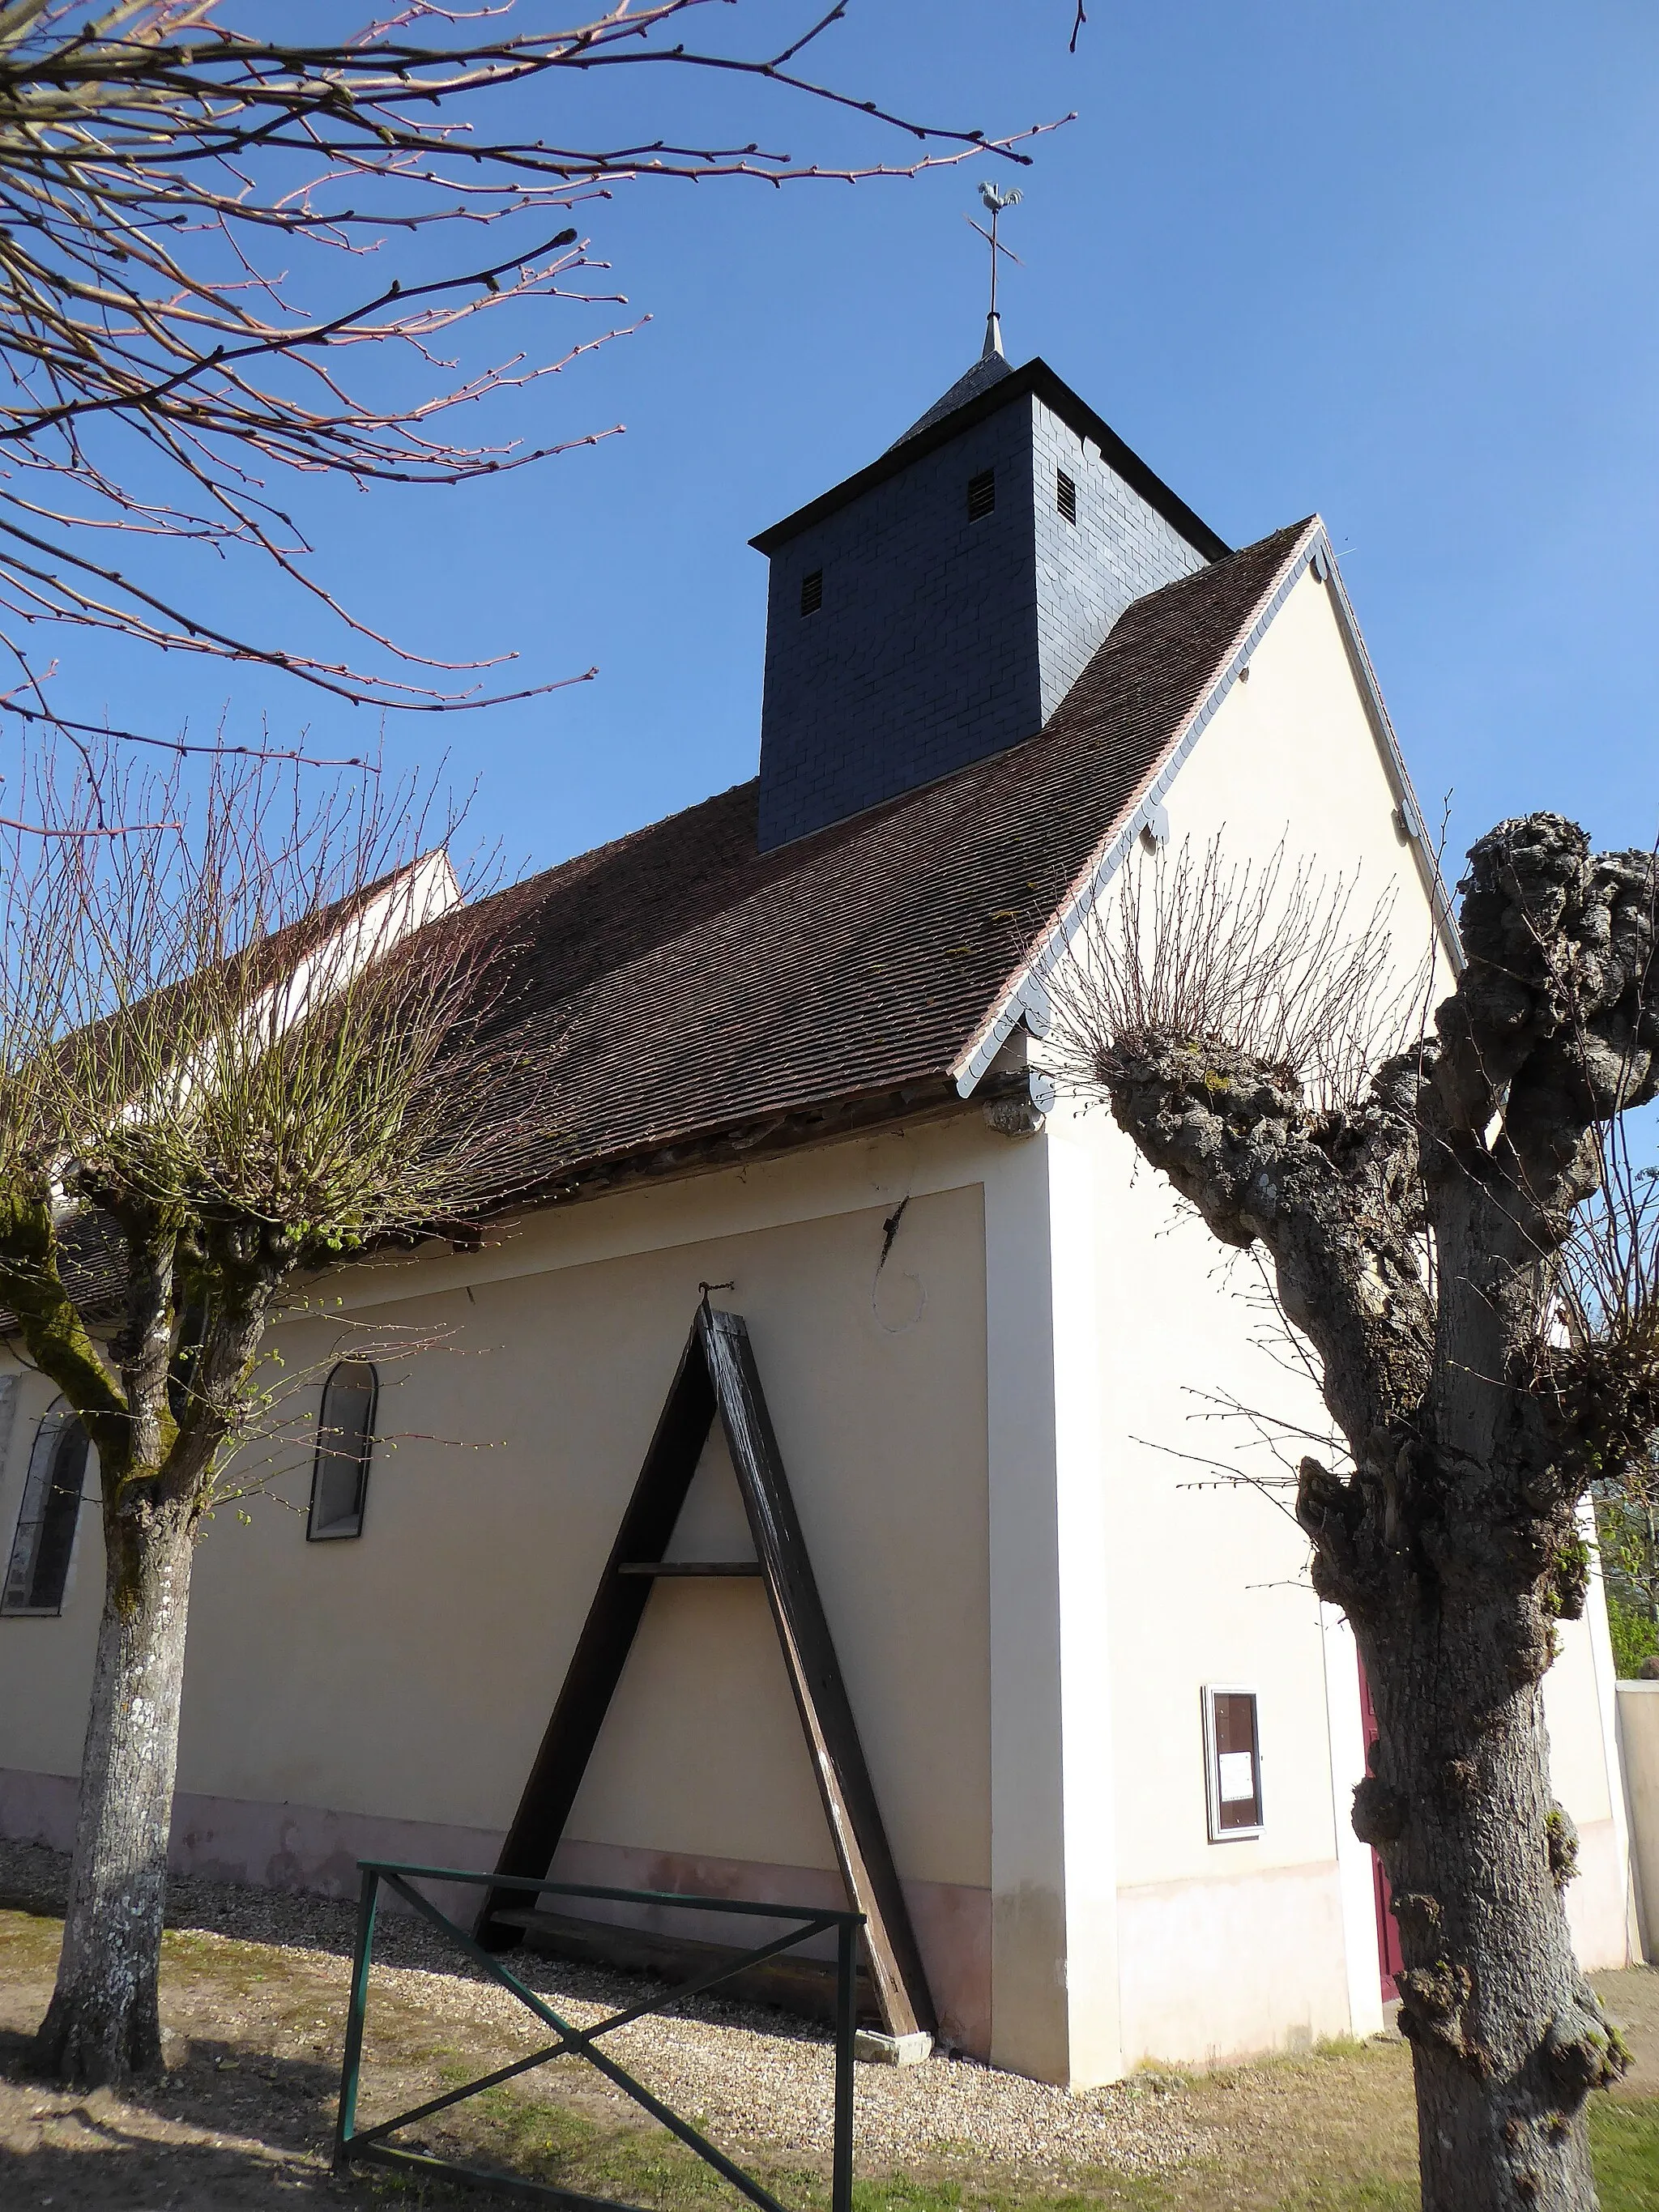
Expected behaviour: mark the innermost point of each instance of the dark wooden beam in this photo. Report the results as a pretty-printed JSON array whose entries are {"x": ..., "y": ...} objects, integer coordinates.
[
  {"x": 717, "y": 1370},
  {"x": 660, "y": 1568},
  {"x": 607, "y": 1636},
  {"x": 826, "y": 1714}
]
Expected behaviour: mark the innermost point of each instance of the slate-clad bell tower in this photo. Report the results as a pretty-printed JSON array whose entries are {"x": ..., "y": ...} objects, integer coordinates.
[{"x": 936, "y": 607}]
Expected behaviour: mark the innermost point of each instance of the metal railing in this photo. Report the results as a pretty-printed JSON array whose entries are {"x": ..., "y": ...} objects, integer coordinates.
[{"x": 353, "y": 2144}]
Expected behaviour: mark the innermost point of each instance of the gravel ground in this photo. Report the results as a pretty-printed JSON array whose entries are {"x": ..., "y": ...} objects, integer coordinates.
[{"x": 754, "y": 2075}]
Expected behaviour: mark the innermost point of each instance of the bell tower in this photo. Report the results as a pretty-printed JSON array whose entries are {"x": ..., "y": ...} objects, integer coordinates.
[{"x": 937, "y": 607}]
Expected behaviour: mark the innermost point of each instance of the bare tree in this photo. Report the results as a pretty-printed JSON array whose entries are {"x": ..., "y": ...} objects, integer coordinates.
[
  {"x": 231, "y": 263},
  {"x": 1479, "y": 1299},
  {"x": 232, "y": 1049}
]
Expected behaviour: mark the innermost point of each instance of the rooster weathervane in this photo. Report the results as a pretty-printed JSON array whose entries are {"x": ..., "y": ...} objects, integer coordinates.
[{"x": 995, "y": 203}]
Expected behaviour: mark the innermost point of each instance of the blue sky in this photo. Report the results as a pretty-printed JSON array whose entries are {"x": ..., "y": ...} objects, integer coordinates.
[{"x": 1394, "y": 264}]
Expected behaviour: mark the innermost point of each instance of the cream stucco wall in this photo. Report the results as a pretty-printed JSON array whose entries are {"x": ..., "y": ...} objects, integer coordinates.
[
  {"x": 407, "y": 1677},
  {"x": 489, "y": 1546}
]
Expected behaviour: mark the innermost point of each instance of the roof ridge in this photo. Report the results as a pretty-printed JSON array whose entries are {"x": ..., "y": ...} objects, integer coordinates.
[
  {"x": 695, "y": 1002},
  {"x": 574, "y": 861},
  {"x": 899, "y": 800}
]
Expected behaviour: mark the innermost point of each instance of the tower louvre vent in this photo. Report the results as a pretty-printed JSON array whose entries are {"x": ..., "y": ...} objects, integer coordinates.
[{"x": 944, "y": 636}]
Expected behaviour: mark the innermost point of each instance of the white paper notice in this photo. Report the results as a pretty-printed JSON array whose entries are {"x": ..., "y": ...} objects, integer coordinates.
[{"x": 1237, "y": 1777}]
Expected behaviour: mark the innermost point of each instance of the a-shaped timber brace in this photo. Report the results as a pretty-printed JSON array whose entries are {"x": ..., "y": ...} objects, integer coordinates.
[{"x": 717, "y": 1371}]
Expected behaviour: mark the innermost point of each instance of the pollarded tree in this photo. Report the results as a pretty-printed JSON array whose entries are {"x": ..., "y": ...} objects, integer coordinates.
[
  {"x": 232, "y": 1047},
  {"x": 1480, "y": 1297}
]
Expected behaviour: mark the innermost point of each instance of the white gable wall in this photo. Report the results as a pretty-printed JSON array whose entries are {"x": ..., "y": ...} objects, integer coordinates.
[{"x": 1232, "y": 1946}]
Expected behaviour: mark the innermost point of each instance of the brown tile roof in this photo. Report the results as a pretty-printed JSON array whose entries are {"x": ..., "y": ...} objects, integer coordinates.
[
  {"x": 678, "y": 984},
  {"x": 679, "y": 998}
]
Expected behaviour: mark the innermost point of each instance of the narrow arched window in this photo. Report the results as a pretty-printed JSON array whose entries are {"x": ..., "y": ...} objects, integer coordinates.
[
  {"x": 44, "y": 1542},
  {"x": 346, "y": 1442}
]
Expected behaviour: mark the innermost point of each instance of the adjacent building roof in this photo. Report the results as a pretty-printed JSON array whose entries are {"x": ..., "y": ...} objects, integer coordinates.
[{"x": 679, "y": 996}]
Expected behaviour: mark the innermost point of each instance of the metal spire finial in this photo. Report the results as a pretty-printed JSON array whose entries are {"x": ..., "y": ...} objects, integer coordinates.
[{"x": 995, "y": 202}]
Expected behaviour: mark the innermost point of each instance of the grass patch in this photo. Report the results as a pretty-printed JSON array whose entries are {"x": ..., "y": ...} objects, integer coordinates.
[
  {"x": 1353, "y": 2196},
  {"x": 553, "y": 2144},
  {"x": 506, "y": 2130},
  {"x": 1114, "y": 2193},
  {"x": 255, "y": 2033},
  {"x": 1625, "y": 2146}
]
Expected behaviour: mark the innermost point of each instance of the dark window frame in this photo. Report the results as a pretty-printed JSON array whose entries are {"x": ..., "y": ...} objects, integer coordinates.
[
  {"x": 981, "y": 494},
  {"x": 1066, "y": 496},
  {"x": 811, "y": 592},
  {"x": 42, "y": 1551},
  {"x": 336, "y": 1444},
  {"x": 1232, "y": 1819}
]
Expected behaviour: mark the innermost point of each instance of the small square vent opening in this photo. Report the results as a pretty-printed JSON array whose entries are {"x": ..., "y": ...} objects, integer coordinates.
[
  {"x": 811, "y": 591},
  {"x": 981, "y": 494},
  {"x": 1066, "y": 495}
]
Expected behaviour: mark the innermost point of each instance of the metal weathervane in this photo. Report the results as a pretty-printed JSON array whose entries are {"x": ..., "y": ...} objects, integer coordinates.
[{"x": 995, "y": 202}]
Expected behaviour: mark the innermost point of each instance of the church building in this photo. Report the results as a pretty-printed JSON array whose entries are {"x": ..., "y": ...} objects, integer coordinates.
[{"x": 820, "y": 1484}]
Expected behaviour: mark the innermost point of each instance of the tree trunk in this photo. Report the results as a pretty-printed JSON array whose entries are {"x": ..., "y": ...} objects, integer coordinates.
[
  {"x": 1429, "y": 1239},
  {"x": 1507, "y": 2038},
  {"x": 103, "y": 2023}
]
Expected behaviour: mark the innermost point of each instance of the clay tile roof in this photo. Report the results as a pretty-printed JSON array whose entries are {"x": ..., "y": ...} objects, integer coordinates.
[{"x": 678, "y": 983}]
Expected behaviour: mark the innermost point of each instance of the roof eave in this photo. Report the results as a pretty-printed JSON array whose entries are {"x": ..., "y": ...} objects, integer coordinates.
[{"x": 800, "y": 1125}]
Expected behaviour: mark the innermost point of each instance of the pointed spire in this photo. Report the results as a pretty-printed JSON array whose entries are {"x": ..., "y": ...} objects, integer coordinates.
[
  {"x": 990, "y": 369},
  {"x": 993, "y": 363}
]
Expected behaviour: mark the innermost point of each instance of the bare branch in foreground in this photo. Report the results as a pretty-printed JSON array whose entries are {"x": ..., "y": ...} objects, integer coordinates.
[{"x": 232, "y": 265}]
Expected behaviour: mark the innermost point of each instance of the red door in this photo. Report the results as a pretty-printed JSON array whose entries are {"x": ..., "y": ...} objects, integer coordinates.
[{"x": 1388, "y": 1958}]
